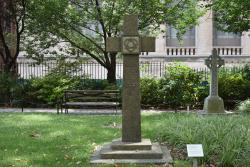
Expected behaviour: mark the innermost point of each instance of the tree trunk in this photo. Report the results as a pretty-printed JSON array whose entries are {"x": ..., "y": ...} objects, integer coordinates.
[
  {"x": 10, "y": 68},
  {"x": 7, "y": 68},
  {"x": 111, "y": 75},
  {"x": 10, "y": 73}
]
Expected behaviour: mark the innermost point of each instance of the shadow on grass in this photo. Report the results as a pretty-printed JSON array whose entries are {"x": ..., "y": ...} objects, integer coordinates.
[{"x": 51, "y": 140}]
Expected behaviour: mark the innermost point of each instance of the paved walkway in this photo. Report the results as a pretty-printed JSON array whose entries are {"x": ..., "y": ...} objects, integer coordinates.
[{"x": 76, "y": 111}]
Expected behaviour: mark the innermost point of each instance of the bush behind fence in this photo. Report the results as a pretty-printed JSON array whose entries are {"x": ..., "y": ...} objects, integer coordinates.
[
  {"x": 181, "y": 86},
  {"x": 95, "y": 71}
]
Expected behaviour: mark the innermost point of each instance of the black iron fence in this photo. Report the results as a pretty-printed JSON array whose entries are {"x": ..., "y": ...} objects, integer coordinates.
[{"x": 96, "y": 71}]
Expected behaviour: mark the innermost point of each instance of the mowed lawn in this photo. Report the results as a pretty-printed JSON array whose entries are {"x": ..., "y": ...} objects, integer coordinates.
[{"x": 50, "y": 140}]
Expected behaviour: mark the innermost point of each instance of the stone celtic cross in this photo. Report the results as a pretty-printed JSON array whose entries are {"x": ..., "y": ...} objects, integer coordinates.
[
  {"x": 214, "y": 62},
  {"x": 131, "y": 45},
  {"x": 213, "y": 103}
]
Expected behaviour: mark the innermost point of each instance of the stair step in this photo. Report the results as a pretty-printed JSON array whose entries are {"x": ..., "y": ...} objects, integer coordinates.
[
  {"x": 145, "y": 144},
  {"x": 155, "y": 153}
]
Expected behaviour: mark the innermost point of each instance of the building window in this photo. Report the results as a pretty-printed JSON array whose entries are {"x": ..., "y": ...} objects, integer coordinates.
[
  {"x": 228, "y": 35},
  {"x": 188, "y": 39},
  {"x": 221, "y": 38},
  {"x": 172, "y": 33}
]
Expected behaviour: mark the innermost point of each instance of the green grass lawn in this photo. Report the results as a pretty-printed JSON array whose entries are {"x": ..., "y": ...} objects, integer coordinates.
[{"x": 50, "y": 140}]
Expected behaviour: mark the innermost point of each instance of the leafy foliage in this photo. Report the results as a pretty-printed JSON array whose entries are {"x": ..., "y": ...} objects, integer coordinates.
[
  {"x": 179, "y": 85},
  {"x": 86, "y": 25},
  {"x": 50, "y": 88},
  {"x": 244, "y": 106},
  {"x": 182, "y": 86},
  {"x": 234, "y": 86},
  {"x": 150, "y": 95},
  {"x": 9, "y": 88},
  {"x": 233, "y": 15},
  {"x": 246, "y": 72}
]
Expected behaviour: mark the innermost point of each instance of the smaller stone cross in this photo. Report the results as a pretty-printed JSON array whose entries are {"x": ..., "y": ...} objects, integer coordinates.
[
  {"x": 214, "y": 62},
  {"x": 213, "y": 103}
]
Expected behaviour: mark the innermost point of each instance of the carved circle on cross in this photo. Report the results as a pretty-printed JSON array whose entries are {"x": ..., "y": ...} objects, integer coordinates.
[
  {"x": 214, "y": 59},
  {"x": 131, "y": 45}
]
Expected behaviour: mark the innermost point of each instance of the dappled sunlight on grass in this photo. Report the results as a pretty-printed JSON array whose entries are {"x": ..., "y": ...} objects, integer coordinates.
[
  {"x": 57, "y": 134},
  {"x": 38, "y": 118},
  {"x": 52, "y": 140},
  {"x": 150, "y": 112},
  {"x": 44, "y": 140},
  {"x": 16, "y": 161}
]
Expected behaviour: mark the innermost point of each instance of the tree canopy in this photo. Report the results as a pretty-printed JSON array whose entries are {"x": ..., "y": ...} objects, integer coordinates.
[
  {"x": 86, "y": 24},
  {"x": 232, "y": 15}
]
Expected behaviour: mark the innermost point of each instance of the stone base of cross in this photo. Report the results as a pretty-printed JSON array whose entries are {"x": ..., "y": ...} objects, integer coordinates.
[
  {"x": 131, "y": 148},
  {"x": 213, "y": 103}
]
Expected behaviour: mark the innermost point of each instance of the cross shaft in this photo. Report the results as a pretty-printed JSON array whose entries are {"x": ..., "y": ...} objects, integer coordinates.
[
  {"x": 130, "y": 45},
  {"x": 214, "y": 62}
]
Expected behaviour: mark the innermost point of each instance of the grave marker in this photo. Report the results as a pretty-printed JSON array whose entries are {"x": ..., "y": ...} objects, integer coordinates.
[
  {"x": 213, "y": 103},
  {"x": 131, "y": 148},
  {"x": 131, "y": 45}
]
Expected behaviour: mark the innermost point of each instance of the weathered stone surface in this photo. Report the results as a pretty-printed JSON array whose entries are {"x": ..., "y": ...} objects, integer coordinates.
[
  {"x": 113, "y": 44},
  {"x": 214, "y": 62},
  {"x": 145, "y": 144},
  {"x": 131, "y": 115},
  {"x": 131, "y": 44},
  {"x": 245, "y": 43},
  {"x": 130, "y": 25},
  {"x": 214, "y": 104},
  {"x": 148, "y": 44},
  {"x": 119, "y": 157},
  {"x": 154, "y": 153},
  {"x": 204, "y": 33},
  {"x": 131, "y": 149}
]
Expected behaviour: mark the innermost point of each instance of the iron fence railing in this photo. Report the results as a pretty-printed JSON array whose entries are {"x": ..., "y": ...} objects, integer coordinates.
[{"x": 96, "y": 71}]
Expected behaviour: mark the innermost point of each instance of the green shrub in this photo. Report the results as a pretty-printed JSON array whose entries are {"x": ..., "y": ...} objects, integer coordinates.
[
  {"x": 244, "y": 106},
  {"x": 246, "y": 72},
  {"x": 90, "y": 84},
  {"x": 93, "y": 84},
  {"x": 26, "y": 92},
  {"x": 9, "y": 89},
  {"x": 150, "y": 94},
  {"x": 51, "y": 87},
  {"x": 202, "y": 92},
  {"x": 234, "y": 87},
  {"x": 179, "y": 86}
]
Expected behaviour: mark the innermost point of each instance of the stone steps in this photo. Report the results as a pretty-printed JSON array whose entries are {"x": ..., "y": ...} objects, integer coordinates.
[
  {"x": 154, "y": 153},
  {"x": 128, "y": 152},
  {"x": 145, "y": 144}
]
